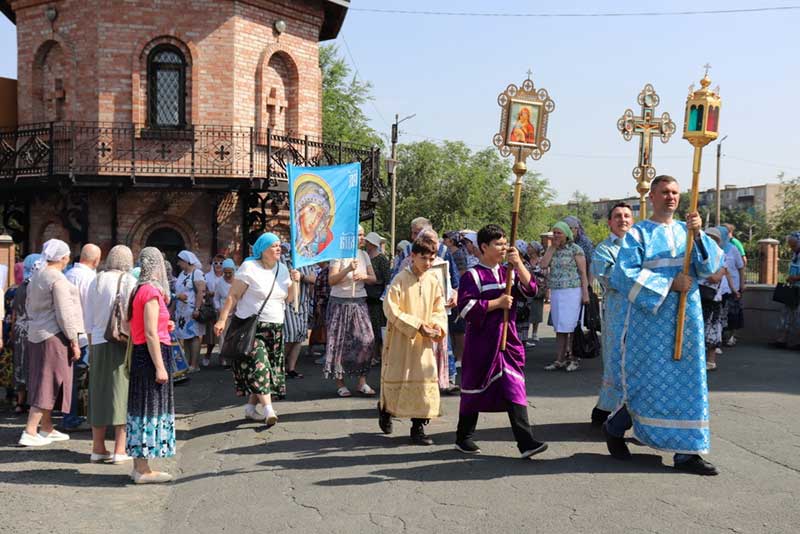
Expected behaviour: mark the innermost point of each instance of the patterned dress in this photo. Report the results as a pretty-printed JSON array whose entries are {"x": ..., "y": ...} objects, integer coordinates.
[
  {"x": 666, "y": 399},
  {"x": 264, "y": 372},
  {"x": 150, "y": 423},
  {"x": 186, "y": 326}
]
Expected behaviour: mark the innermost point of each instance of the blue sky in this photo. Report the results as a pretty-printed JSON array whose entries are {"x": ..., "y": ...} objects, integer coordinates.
[{"x": 449, "y": 70}]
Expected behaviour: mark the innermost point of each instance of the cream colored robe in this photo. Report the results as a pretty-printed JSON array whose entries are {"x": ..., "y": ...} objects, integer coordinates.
[{"x": 409, "y": 379}]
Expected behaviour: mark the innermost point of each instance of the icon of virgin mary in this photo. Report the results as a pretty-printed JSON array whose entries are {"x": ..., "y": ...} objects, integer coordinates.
[{"x": 314, "y": 212}]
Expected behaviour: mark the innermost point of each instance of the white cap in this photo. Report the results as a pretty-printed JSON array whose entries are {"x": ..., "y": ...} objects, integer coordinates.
[
  {"x": 473, "y": 237},
  {"x": 374, "y": 238}
]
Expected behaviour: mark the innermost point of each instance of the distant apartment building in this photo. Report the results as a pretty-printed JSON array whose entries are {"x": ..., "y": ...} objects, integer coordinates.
[{"x": 764, "y": 198}]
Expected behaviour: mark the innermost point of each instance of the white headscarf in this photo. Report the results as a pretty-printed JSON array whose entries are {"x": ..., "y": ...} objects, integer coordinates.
[
  {"x": 190, "y": 258},
  {"x": 54, "y": 250}
]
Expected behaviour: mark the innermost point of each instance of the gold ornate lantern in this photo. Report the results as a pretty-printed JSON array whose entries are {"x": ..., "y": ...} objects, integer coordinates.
[{"x": 701, "y": 126}]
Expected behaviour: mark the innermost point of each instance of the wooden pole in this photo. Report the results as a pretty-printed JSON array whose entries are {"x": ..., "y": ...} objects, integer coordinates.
[
  {"x": 687, "y": 259},
  {"x": 519, "y": 171}
]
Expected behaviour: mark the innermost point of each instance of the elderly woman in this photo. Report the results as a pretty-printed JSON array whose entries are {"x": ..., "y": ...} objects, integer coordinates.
[
  {"x": 150, "y": 421},
  {"x": 350, "y": 336},
  {"x": 582, "y": 240},
  {"x": 55, "y": 320},
  {"x": 535, "y": 252},
  {"x": 213, "y": 276},
  {"x": 713, "y": 289},
  {"x": 190, "y": 290},
  {"x": 569, "y": 288},
  {"x": 382, "y": 268},
  {"x": 222, "y": 288},
  {"x": 19, "y": 329},
  {"x": 262, "y": 286},
  {"x": 789, "y": 325},
  {"x": 108, "y": 381}
]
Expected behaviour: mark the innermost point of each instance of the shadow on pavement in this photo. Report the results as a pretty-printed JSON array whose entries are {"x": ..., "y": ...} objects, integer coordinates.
[
  {"x": 63, "y": 477},
  {"x": 12, "y": 455}
]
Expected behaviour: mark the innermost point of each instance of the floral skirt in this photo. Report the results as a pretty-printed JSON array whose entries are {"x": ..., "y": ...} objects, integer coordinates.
[
  {"x": 712, "y": 319},
  {"x": 350, "y": 338},
  {"x": 150, "y": 424},
  {"x": 264, "y": 371}
]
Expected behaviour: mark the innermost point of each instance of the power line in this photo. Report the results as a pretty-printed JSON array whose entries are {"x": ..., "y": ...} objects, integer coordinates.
[
  {"x": 353, "y": 61},
  {"x": 577, "y": 15}
]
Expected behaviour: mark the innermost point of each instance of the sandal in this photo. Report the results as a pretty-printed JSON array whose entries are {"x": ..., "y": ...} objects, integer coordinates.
[
  {"x": 294, "y": 374},
  {"x": 367, "y": 391},
  {"x": 344, "y": 392},
  {"x": 573, "y": 365},
  {"x": 555, "y": 366}
]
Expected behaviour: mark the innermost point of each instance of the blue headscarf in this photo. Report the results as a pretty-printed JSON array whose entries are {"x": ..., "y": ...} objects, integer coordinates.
[
  {"x": 28, "y": 264},
  {"x": 266, "y": 240},
  {"x": 228, "y": 264},
  {"x": 725, "y": 238}
]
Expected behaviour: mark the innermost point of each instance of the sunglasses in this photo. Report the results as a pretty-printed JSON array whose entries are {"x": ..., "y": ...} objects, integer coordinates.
[{"x": 216, "y": 263}]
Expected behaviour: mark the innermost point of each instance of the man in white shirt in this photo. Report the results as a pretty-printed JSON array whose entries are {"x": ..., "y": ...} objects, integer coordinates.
[{"x": 81, "y": 276}]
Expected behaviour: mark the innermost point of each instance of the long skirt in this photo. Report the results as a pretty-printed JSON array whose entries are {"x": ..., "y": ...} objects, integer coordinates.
[
  {"x": 565, "y": 309},
  {"x": 20, "y": 349},
  {"x": 350, "y": 338},
  {"x": 735, "y": 314},
  {"x": 789, "y": 325},
  {"x": 537, "y": 310},
  {"x": 263, "y": 371},
  {"x": 712, "y": 319},
  {"x": 151, "y": 407},
  {"x": 108, "y": 385},
  {"x": 50, "y": 374}
]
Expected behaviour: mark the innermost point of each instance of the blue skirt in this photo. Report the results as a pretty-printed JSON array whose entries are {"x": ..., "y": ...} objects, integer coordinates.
[{"x": 150, "y": 423}]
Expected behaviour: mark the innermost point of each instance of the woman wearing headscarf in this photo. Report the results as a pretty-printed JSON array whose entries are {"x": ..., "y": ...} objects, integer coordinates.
[
  {"x": 213, "y": 276},
  {"x": 55, "y": 320},
  {"x": 262, "y": 284},
  {"x": 569, "y": 288},
  {"x": 108, "y": 381},
  {"x": 350, "y": 337},
  {"x": 734, "y": 264},
  {"x": 19, "y": 329},
  {"x": 190, "y": 290},
  {"x": 714, "y": 290},
  {"x": 582, "y": 240},
  {"x": 150, "y": 421},
  {"x": 222, "y": 288},
  {"x": 535, "y": 252},
  {"x": 789, "y": 325}
]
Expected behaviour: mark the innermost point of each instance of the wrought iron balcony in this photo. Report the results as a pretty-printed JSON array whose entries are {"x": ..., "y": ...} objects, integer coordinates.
[{"x": 206, "y": 157}]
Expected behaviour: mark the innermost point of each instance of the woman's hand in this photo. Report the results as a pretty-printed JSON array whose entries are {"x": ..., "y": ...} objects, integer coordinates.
[
  {"x": 170, "y": 326},
  {"x": 219, "y": 326},
  {"x": 585, "y": 295},
  {"x": 183, "y": 297},
  {"x": 295, "y": 274},
  {"x": 161, "y": 375},
  {"x": 353, "y": 266},
  {"x": 76, "y": 350},
  {"x": 196, "y": 314},
  {"x": 357, "y": 277}
]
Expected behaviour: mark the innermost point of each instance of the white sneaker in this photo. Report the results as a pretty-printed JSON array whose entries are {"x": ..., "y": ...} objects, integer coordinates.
[
  {"x": 100, "y": 458},
  {"x": 718, "y": 351},
  {"x": 250, "y": 412},
  {"x": 260, "y": 410},
  {"x": 205, "y": 362},
  {"x": 120, "y": 459},
  {"x": 731, "y": 342},
  {"x": 37, "y": 440},
  {"x": 271, "y": 417},
  {"x": 55, "y": 435}
]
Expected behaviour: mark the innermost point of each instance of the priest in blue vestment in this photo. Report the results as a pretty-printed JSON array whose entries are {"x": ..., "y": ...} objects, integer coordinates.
[{"x": 664, "y": 400}]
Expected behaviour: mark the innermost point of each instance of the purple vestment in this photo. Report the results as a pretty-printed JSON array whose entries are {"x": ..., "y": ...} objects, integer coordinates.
[{"x": 490, "y": 379}]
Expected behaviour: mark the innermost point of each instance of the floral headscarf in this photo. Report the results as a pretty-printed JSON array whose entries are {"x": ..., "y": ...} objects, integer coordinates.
[
  {"x": 152, "y": 270},
  {"x": 120, "y": 258}
]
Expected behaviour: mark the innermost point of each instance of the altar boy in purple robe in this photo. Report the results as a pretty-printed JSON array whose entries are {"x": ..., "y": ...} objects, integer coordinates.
[{"x": 493, "y": 380}]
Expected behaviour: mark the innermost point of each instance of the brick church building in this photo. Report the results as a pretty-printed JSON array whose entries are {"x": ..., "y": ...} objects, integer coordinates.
[{"x": 165, "y": 123}]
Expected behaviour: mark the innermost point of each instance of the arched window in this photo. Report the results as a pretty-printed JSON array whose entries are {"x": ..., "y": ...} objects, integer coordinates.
[{"x": 166, "y": 88}]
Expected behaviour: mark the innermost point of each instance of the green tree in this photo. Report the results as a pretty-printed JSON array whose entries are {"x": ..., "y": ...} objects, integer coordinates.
[
  {"x": 786, "y": 218},
  {"x": 343, "y": 99}
]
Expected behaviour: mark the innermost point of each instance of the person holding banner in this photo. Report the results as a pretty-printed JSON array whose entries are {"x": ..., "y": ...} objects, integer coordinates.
[
  {"x": 350, "y": 337},
  {"x": 263, "y": 286},
  {"x": 663, "y": 399}
]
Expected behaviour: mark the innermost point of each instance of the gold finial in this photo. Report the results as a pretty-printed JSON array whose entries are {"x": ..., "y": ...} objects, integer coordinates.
[
  {"x": 706, "y": 81},
  {"x": 707, "y": 66}
]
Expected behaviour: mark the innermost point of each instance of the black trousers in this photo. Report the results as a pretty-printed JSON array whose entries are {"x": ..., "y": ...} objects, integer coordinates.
[{"x": 520, "y": 426}]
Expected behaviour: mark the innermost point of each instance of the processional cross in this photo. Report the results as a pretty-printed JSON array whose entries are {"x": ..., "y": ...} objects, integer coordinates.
[{"x": 645, "y": 126}]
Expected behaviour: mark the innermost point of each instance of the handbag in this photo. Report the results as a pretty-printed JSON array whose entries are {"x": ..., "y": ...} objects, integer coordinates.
[
  {"x": 240, "y": 337},
  {"x": 114, "y": 328},
  {"x": 585, "y": 343},
  {"x": 707, "y": 293},
  {"x": 786, "y": 294},
  {"x": 206, "y": 313}
]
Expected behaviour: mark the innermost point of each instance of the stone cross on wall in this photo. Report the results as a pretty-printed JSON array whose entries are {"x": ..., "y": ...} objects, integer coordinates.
[
  {"x": 275, "y": 107},
  {"x": 56, "y": 99}
]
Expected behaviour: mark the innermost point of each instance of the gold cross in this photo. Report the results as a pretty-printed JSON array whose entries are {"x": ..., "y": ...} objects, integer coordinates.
[{"x": 707, "y": 66}]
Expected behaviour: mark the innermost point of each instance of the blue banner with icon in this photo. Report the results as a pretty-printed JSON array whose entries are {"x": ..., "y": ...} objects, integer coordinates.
[{"x": 324, "y": 208}]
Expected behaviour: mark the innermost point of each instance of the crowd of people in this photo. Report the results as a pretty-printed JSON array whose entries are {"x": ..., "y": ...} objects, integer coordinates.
[{"x": 436, "y": 309}]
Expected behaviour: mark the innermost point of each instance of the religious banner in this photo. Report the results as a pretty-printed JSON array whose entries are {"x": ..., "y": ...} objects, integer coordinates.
[{"x": 324, "y": 204}]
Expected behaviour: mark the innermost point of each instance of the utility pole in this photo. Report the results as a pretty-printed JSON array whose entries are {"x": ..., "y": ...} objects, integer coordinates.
[
  {"x": 391, "y": 166},
  {"x": 719, "y": 199}
]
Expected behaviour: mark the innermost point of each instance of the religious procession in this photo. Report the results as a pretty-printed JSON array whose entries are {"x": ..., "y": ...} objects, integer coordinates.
[{"x": 190, "y": 276}]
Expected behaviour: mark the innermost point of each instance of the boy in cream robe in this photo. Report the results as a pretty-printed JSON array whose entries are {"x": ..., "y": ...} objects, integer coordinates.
[{"x": 416, "y": 318}]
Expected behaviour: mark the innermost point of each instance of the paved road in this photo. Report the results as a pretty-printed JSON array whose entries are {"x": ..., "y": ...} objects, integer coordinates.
[{"x": 326, "y": 468}]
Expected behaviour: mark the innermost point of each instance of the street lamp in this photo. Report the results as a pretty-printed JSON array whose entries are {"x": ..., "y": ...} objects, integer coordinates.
[
  {"x": 719, "y": 155},
  {"x": 391, "y": 165}
]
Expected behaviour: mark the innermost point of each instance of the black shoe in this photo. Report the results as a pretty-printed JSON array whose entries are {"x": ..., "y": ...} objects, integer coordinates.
[
  {"x": 468, "y": 446},
  {"x": 696, "y": 465},
  {"x": 537, "y": 448},
  {"x": 384, "y": 420},
  {"x": 418, "y": 436},
  {"x": 599, "y": 416},
  {"x": 452, "y": 389},
  {"x": 616, "y": 446}
]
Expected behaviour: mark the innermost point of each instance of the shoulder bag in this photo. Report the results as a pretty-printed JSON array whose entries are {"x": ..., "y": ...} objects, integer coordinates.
[
  {"x": 786, "y": 294},
  {"x": 114, "y": 328},
  {"x": 240, "y": 337},
  {"x": 206, "y": 313}
]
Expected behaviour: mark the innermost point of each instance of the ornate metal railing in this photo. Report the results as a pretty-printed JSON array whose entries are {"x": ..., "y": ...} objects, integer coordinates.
[{"x": 131, "y": 151}]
